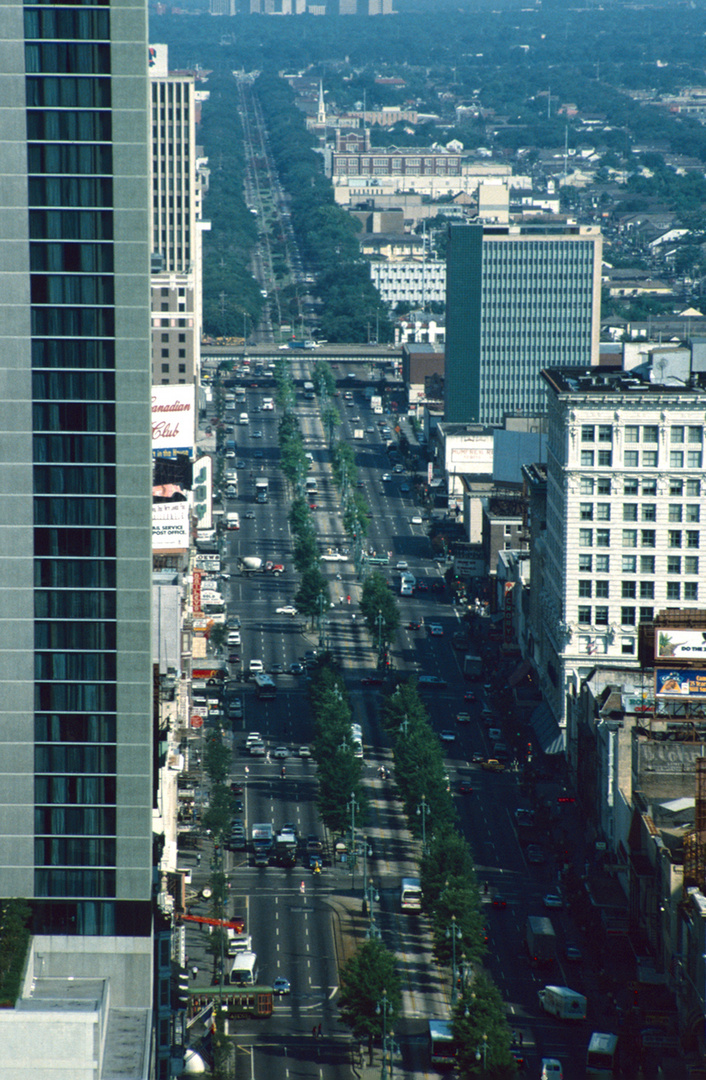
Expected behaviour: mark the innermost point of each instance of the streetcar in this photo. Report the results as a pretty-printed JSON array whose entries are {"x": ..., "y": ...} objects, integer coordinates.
[{"x": 236, "y": 1002}]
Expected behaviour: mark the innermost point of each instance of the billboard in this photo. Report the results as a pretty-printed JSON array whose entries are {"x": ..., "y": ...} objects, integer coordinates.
[
  {"x": 170, "y": 526},
  {"x": 173, "y": 419},
  {"x": 680, "y": 644},
  {"x": 683, "y": 683}
]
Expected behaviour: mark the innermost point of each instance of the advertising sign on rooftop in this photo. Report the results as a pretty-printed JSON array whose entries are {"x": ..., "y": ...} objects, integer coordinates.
[
  {"x": 681, "y": 683},
  {"x": 170, "y": 526},
  {"x": 173, "y": 419},
  {"x": 672, "y": 642}
]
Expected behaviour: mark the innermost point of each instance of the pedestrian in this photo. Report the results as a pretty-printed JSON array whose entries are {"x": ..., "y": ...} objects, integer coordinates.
[
  {"x": 319, "y": 1031},
  {"x": 520, "y": 1038},
  {"x": 194, "y": 971},
  {"x": 198, "y": 858},
  {"x": 485, "y": 888},
  {"x": 348, "y": 598},
  {"x": 313, "y": 1031}
]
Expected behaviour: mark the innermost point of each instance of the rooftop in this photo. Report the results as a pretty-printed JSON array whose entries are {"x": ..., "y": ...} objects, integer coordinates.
[{"x": 606, "y": 380}]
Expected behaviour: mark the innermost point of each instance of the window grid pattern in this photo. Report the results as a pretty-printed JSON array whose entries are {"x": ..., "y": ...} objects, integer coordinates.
[{"x": 70, "y": 164}]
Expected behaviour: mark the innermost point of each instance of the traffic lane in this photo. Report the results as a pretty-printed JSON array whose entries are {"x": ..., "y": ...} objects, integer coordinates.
[{"x": 497, "y": 857}]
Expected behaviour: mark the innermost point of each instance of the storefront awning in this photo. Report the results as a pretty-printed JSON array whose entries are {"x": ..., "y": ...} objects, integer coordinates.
[
  {"x": 519, "y": 673},
  {"x": 551, "y": 737}
]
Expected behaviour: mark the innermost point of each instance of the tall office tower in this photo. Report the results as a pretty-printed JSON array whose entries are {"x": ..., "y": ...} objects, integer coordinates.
[
  {"x": 626, "y": 499},
  {"x": 75, "y": 530},
  {"x": 518, "y": 298},
  {"x": 176, "y": 232}
]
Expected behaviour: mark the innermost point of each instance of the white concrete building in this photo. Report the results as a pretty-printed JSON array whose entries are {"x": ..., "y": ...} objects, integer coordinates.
[
  {"x": 626, "y": 500},
  {"x": 414, "y": 281}
]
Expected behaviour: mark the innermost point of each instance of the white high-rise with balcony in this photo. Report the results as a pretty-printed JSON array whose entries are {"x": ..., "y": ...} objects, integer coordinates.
[{"x": 626, "y": 509}]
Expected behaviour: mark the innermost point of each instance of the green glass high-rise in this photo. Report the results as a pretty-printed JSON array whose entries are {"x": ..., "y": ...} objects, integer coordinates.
[
  {"x": 76, "y": 784},
  {"x": 518, "y": 298}
]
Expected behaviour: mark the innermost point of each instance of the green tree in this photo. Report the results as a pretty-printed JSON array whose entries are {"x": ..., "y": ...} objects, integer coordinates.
[
  {"x": 447, "y": 861},
  {"x": 324, "y": 378},
  {"x": 331, "y": 419},
  {"x": 368, "y": 976},
  {"x": 312, "y": 586},
  {"x": 217, "y": 815},
  {"x": 300, "y": 516},
  {"x": 459, "y": 905},
  {"x": 379, "y": 609},
  {"x": 339, "y": 778},
  {"x": 306, "y": 551},
  {"x": 216, "y": 759},
  {"x": 481, "y": 1031}
]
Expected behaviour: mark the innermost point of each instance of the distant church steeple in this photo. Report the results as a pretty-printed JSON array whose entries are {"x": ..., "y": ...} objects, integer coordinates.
[{"x": 321, "y": 115}]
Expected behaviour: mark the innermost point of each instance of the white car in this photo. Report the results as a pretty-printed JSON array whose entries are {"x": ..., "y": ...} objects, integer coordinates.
[
  {"x": 333, "y": 556},
  {"x": 551, "y": 1069},
  {"x": 386, "y": 477},
  {"x": 417, "y": 519},
  {"x": 280, "y": 752},
  {"x": 402, "y": 565},
  {"x": 553, "y": 900},
  {"x": 287, "y": 609},
  {"x": 304, "y": 752},
  {"x": 234, "y": 637},
  {"x": 256, "y": 667}
]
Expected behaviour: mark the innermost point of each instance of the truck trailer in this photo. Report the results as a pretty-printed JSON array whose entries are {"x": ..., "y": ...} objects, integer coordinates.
[
  {"x": 562, "y": 1002},
  {"x": 541, "y": 940}
]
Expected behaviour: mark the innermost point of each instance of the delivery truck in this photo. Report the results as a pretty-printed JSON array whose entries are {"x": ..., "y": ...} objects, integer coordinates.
[
  {"x": 541, "y": 940},
  {"x": 472, "y": 667},
  {"x": 562, "y": 1002},
  {"x": 244, "y": 969}
]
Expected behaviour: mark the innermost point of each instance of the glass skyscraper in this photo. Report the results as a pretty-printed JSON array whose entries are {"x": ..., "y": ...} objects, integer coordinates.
[
  {"x": 518, "y": 298},
  {"x": 76, "y": 783}
]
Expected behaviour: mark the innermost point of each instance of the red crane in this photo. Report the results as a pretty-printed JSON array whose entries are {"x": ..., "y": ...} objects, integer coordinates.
[{"x": 236, "y": 923}]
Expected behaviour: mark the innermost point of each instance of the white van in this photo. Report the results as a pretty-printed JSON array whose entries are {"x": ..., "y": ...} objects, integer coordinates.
[
  {"x": 243, "y": 418},
  {"x": 256, "y": 667}
]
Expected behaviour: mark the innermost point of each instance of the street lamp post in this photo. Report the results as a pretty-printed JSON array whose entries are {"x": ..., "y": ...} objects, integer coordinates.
[
  {"x": 422, "y": 811},
  {"x": 379, "y": 619},
  {"x": 351, "y": 807},
  {"x": 453, "y": 932},
  {"x": 404, "y": 726},
  {"x": 322, "y": 622},
  {"x": 384, "y": 1009},
  {"x": 372, "y": 896},
  {"x": 482, "y": 1051}
]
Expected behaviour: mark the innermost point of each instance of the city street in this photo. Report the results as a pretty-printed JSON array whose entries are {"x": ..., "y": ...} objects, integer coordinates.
[{"x": 302, "y": 925}]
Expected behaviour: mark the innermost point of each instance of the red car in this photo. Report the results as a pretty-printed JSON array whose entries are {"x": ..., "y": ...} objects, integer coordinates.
[
  {"x": 465, "y": 787},
  {"x": 372, "y": 680}
]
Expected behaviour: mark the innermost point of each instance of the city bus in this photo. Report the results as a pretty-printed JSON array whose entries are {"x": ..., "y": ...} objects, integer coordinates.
[
  {"x": 265, "y": 686},
  {"x": 602, "y": 1056},
  {"x": 442, "y": 1045},
  {"x": 411, "y": 894},
  {"x": 357, "y": 740}
]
